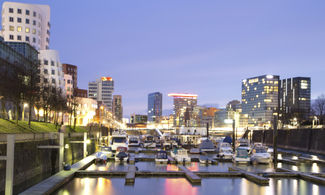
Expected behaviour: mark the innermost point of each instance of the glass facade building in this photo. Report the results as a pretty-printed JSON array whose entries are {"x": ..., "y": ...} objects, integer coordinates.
[
  {"x": 295, "y": 97},
  {"x": 184, "y": 109},
  {"x": 260, "y": 99},
  {"x": 154, "y": 106}
]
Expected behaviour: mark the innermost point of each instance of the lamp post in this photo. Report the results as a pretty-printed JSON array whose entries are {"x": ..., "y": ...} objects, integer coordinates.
[{"x": 23, "y": 114}]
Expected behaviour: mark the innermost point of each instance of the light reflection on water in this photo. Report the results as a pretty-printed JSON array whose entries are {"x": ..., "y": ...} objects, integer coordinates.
[{"x": 179, "y": 186}]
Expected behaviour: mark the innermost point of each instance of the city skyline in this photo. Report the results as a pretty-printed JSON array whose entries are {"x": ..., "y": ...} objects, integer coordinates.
[{"x": 239, "y": 41}]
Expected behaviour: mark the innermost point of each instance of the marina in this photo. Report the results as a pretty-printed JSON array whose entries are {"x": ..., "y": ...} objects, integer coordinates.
[{"x": 141, "y": 170}]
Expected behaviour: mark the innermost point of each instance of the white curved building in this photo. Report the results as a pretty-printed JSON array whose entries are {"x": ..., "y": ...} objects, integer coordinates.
[
  {"x": 51, "y": 68},
  {"x": 26, "y": 23}
]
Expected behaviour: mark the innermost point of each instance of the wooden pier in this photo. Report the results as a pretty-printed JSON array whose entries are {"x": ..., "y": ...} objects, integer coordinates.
[
  {"x": 130, "y": 176},
  {"x": 251, "y": 176},
  {"x": 192, "y": 177},
  {"x": 305, "y": 176}
]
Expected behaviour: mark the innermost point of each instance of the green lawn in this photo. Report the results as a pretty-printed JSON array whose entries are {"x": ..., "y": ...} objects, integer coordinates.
[{"x": 36, "y": 127}]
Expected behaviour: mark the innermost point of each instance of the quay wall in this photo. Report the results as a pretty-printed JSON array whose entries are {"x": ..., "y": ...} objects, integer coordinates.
[
  {"x": 303, "y": 140},
  {"x": 32, "y": 165}
]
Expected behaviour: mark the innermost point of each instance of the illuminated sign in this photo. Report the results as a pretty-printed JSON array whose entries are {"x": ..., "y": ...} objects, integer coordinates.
[
  {"x": 107, "y": 79},
  {"x": 182, "y": 95},
  {"x": 253, "y": 80}
]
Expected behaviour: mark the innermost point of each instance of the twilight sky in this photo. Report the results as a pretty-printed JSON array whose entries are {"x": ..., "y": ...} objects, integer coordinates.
[{"x": 204, "y": 47}]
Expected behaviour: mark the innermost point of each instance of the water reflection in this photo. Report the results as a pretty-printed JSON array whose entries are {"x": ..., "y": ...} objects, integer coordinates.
[{"x": 179, "y": 186}]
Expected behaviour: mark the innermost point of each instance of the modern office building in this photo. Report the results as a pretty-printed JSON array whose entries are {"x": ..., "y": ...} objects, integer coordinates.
[
  {"x": 295, "y": 97},
  {"x": 51, "y": 68},
  {"x": 71, "y": 70},
  {"x": 28, "y": 23},
  {"x": 117, "y": 107},
  {"x": 154, "y": 106},
  {"x": 102, "y": 90},
  {"x": 260, "y": 99},
  {"x": 184, "y": 105}
]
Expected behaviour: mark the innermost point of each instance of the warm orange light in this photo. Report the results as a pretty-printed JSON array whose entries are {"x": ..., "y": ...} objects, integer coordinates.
[
  {"x": 182, "y": 95},
  {"x": 107, "y": 79}
]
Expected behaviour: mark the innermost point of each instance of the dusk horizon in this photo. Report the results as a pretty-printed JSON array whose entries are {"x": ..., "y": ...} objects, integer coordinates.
[{"x": 188, "y": 47}]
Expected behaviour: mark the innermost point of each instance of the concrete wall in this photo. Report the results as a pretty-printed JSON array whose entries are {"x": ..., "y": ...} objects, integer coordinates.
[
  {"x": 33, "y": 165},
  {"x": 304, "y": 140}
]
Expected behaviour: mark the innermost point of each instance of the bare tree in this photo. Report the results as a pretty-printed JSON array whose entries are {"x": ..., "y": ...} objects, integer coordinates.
[{"x": 319, "y": 107}]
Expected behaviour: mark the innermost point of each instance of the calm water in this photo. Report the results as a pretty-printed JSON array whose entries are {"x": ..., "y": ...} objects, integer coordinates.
[{"x": 179, "y": 186}]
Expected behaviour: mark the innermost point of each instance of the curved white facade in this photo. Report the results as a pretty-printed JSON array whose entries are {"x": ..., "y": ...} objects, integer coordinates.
[
  {"x": 26, "y": 23},
  {"x": 51, "y": 68}
]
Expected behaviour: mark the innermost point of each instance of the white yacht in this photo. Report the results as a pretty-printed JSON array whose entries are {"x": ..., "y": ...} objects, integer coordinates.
[
  {"x": 241, "y": 156},
  {"x": 260, "y": 155},
  {"x": 119, "y": 140},
  {"x": 180, "y": 155},
  {"x": 224, "y": 150},
  {"x": 103, "y": 155},
  {"x": 149, "y": 142},
  {"x": 134, "y": 141}
]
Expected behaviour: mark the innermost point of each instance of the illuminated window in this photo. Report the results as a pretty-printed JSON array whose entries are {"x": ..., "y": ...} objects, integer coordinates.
[
  {"x": 267, "y": 100},
  {"x": 304, "y": 84},
  {"x": 27, "y": 29},
  {"x": 11, "y": 28},
  {"x": 34, "y": 31},
  {"x": 19, "y": 28}
]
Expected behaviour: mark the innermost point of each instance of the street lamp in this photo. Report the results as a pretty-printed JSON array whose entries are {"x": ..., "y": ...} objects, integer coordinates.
[{"x": 23, "y": 114}]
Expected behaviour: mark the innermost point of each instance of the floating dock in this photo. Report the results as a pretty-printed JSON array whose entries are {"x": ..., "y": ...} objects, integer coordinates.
[
  {"x": 192, "y": 177},
  {"x": 251, "y": 176}
]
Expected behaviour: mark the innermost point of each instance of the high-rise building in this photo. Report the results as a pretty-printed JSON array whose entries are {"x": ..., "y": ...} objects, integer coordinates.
[
  {"x": 184, "y": 105},
  {"x": 28, "y": 23},
  {"x": 102, "y": 90},
  {"x": 117, "y": 107},
  {"x": 260, "y": 98},
  {"x": 51, "y": 68},
  {"x": 295, "y": 97},
  {"x": 71, "y": 70},
  {"x": 154, "y": 106}
]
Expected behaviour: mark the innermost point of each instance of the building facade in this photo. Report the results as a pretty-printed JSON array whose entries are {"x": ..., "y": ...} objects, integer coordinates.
[
  {"x": 68, "y": 86},
  {"x": 102, "y": 90},
  {"x": 73, "y": 71},
  {"x": 260, "y": 99},
  {"x": 295, "y": 95},
  {"x": 117, "y": 107},
  {"x": 138, "y": 119},
  {"x": 28, "y": 23},
  {"x": 51, "y": 69},
  {"x": 184, "y": 105},
  {"x": 154, "y": 106},
  {"x": 80, "y": 93}
]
